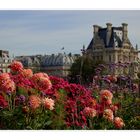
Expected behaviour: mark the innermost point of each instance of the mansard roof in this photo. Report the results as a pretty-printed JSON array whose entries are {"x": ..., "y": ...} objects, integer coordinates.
[
  {"x": 90, "y": 44},
  {"x": 48, "y": 60},
  {"x": 58, "y": 60},
  {"x": 115, "y": 38}
]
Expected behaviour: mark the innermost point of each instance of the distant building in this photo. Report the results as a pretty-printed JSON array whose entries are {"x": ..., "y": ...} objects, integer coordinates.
[
  {"x": 55, "y": 64},
  {"x": 112, "y": 45},
  {"x": 33, "y": 62},
  {"x": 5, "y": 61}
]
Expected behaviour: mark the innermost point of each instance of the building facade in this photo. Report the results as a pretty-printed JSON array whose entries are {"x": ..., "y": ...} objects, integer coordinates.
[
  {"x": 5, "y": 61},
  {"x": 112, "y": 45},
  {"x": 55, "y": 64}
]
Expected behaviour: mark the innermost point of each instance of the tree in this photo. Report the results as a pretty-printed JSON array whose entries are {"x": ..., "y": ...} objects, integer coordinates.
[{"x": 84, "y": 68}]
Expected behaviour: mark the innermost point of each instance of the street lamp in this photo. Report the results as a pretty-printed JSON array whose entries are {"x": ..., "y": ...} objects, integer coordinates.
[{"x": 83, "y": 50}]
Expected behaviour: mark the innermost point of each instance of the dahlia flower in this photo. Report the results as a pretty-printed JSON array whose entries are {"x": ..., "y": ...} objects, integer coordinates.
[
  {"x": 40, "y": 74},
  {"x": 108, "y": 102},
  {"x": 4, "y": 77},
  {"x": 90, "y": 112},
  {"x": 48, "y": 103},
  {"x": 44, "y": 83},
  {"x": 16, "y": 66},
  {"x": 106, "y": 96},
  {"x": 6, "y": 84},
  {"x": 93, "y": 102},
  {"x": 27, "y": 73},
  {"x": 41, "y": 81},
  {"x": 118, "y": 122},
  {"x": 114, "y": 107},
  {"x": 9, "y": 86},
  {"x": 108, "y": 114},
  {"x": 34, "y": 102}
]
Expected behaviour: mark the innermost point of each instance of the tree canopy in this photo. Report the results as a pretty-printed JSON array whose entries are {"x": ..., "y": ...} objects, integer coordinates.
[{"x": 84, "y": 68}]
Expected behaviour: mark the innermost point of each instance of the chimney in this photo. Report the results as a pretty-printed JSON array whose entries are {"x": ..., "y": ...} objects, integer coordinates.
[
  {"x": 124, "y": 29},
  {"x": 109, "y": 26},
  {"x": 136, "y": 47},
  {"x": 96, "y": 29},
  {"x": 108, "y": 34}
]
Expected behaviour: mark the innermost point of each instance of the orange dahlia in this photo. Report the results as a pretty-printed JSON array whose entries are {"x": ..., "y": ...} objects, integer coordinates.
[
  {"x": 34, "y": 102},
  {"x": 106, "y": 94}
]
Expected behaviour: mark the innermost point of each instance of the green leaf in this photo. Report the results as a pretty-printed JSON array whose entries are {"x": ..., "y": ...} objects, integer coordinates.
[
  {"x": 7, "y": 113},
  {"x": 29, "y": 127},
  {"x": 48, "y": 123}
]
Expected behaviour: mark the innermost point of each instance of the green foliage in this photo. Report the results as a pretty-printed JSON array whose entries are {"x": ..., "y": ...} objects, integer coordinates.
[
  {"x": 129, "y": 110},
  {"x": 58, "y": 118},
  {"x": 100, "y": 123},
  {"x": 33, "y": 120},
  {"x": 84, "y": 66}
]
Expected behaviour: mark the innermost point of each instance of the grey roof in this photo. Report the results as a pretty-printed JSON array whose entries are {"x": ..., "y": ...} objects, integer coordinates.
[
  {"x": 115, "y": 39},
  {"x": 57, "y": 60},
  {"x": 48, "y": 60},
  {"x": 90, "y": 44}
]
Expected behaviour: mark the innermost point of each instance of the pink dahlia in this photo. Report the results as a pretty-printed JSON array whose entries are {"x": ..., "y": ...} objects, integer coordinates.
[
  {"x": 40, "y": 74},
  {"x": 48, "y": 103},
  {"x": 90, "y": 112},
  {"x": 4, "y": 77},
  {"x": 9, "y": 86},
  {"x": 114, "y": 107},
  {"x": 108, "y": 114},
  {"x": 27, "y": 73},
  {"x": 108, "y": 102},
  {"x": 16, "y": 66},
  {"x": 6, "y": 84},
  {"x": 41, "y": 81},
  {"x": 118, "y": 122},
  {"x": 44, "y": 83}
]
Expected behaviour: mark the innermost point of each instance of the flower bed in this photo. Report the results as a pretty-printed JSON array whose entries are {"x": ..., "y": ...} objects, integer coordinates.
[{"x": 38, "y": 101}]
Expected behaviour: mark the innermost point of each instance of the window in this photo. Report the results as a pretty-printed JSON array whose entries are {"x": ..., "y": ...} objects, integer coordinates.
[{"x": 101, "y": 57}]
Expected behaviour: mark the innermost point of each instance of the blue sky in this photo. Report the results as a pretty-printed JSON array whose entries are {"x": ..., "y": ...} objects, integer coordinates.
[{"x": 46, "y": 32}]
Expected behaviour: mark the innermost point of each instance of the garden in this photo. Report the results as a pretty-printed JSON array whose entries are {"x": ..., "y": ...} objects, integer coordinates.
[{"x": 37, "y": 101}]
